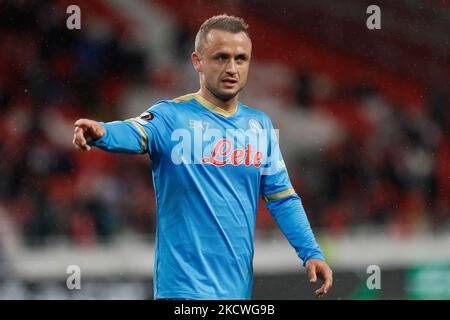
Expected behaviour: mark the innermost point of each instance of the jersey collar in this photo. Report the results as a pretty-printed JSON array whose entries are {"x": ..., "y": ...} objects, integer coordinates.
[{"x": 212, "y": 107}]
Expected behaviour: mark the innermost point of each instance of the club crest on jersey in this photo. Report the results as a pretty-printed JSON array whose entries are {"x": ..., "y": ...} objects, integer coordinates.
[{"x": 254, "y": 125}]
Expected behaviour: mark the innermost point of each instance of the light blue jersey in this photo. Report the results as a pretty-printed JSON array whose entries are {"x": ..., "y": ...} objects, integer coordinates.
[{"x": 209, "y": 168}]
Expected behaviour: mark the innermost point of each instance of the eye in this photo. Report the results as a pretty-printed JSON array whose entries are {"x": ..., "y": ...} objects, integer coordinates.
[
  {"x": 241, "y": 58},
  {"x": 221, "y": 57}
]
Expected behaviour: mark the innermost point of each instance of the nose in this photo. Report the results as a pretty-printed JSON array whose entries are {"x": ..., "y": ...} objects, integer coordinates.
[{"x": 231, "y": 67}]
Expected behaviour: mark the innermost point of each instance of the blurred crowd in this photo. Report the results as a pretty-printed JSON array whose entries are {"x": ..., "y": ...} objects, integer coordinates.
[
  {"x": 49, "y": 77},
  {"x": 391, "y": 169}
]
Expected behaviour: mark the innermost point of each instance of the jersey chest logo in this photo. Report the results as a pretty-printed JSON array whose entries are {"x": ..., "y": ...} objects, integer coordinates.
[
  {"x": 216, "y": 147},
  {"x": 223, "y": 153}
]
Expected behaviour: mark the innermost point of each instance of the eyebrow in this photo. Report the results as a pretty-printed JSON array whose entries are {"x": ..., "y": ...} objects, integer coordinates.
[{"x": 239, "y": 55}]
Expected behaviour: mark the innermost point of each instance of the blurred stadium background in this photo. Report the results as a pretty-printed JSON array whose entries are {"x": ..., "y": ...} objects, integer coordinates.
[{"x": 364, "y": 126}]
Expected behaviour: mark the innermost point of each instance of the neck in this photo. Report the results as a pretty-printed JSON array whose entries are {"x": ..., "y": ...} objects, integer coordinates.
[{"x": 228, "y": 105}]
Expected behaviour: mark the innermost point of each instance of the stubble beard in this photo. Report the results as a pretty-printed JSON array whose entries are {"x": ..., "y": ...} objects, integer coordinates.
[{"x": 222, "y": 95}]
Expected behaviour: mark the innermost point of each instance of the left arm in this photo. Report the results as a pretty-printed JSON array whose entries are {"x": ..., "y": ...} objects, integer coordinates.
[
  {"x": 287, "y": 209},
  {"x": 291, "y": 218}
]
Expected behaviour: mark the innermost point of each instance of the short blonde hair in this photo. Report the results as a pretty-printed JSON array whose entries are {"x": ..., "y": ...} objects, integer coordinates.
[{"x": 222, "y": 22}]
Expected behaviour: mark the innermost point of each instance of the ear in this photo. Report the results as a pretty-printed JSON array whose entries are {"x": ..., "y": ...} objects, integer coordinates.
[{"x": 195, "y": 57}]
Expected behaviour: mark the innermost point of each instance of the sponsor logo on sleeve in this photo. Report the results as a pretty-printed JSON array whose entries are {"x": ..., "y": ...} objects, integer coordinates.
[{"x": 144, "y": 118}]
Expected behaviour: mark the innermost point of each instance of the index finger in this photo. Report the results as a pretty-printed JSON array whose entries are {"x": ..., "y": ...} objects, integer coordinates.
[{"x": 82, "y": 123}]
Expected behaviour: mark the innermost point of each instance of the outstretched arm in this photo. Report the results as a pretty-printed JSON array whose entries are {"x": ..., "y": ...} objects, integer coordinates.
[{"x": 118, "y": 136}]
